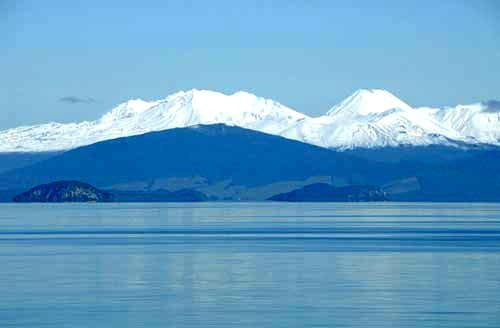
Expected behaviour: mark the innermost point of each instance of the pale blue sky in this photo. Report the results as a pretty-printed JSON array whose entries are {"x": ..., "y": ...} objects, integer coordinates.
[{"x": 306, "y": 54}]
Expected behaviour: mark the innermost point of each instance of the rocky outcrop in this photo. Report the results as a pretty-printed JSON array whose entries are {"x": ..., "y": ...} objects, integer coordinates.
[{"x": 62, "y": 192}]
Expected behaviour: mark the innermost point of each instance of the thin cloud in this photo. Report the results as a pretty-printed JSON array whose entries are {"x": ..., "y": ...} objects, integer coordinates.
[
  {"x": 77, "y": 100},
  {"x": 492, "y": 106}
]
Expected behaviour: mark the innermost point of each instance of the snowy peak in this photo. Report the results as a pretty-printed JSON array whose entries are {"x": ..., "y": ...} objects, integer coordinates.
[
  {"x": 368, "y": 101},
  {"x": 377, "y": 118},
  {"x": 367, "y": 118},
  {"x": 243, "y": 109},
  {"x": 182, "y": 109},
  {"x": 127, "y": 109}
]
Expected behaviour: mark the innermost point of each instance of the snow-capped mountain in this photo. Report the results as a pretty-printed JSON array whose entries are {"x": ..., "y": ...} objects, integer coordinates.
[
  {"x": 372, "y": 118},
  {"x": 476, "y": 123},
  {"x": 367, "y": 118},
  {"x": 135, "y": 117}
]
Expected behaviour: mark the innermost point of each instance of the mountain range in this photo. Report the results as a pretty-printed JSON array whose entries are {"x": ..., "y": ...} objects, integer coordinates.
[
  {"x": 366, "y": 119},
  {"x": 231, "y": 163},
  {"x": 243, "y": 147}
]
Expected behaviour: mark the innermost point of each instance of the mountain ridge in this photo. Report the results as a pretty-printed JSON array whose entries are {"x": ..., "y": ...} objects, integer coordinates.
[{"x": 369, "y": 118}]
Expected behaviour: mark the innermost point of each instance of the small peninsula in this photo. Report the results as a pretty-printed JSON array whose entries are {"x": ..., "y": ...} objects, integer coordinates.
[{"x": 323, "y": 192}]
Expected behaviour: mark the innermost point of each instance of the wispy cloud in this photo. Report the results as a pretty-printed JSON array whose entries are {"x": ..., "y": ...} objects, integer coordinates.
[
  {"x": 492, "y": 106},
  {"x": 77, "y": 100}
]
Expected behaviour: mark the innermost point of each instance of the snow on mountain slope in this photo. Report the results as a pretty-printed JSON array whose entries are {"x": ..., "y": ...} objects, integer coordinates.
[
  {"x": 367, "y": 102},
  {"x": 137, "y": 117},
  {"x": 367, "y": 118},
  {"x": 476, "y": 123},
  {"x": 372, "y": 118}
]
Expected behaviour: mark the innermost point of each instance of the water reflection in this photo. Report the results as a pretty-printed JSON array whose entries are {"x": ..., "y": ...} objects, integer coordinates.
[{"x": 254, "y": 265}]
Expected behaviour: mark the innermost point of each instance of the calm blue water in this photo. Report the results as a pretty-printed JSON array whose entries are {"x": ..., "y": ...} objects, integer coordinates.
[{"x": 250, "y": 265}]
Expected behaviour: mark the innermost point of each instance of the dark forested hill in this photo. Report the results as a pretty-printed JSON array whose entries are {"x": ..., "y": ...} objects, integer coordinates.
[
  {"x": 10, "y": 161},
  {"x": 249, "y": 159}
]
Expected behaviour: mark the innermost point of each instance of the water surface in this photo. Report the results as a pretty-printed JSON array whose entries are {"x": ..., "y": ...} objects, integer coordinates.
[{"x": 250, "y": 265}]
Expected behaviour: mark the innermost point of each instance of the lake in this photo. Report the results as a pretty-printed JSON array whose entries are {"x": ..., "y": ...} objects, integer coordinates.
[{"x": 250, "y": 265}]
